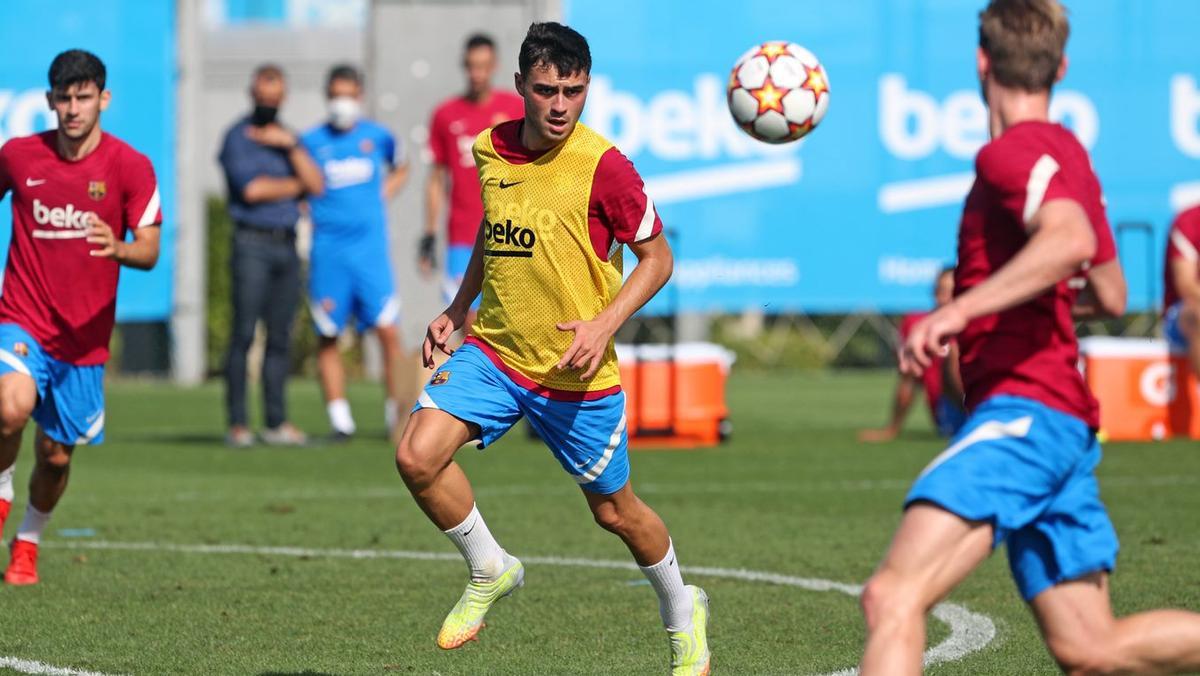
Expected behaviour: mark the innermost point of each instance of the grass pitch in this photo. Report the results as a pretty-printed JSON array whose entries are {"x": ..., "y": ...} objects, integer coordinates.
[{"x": 791, "y": 493}]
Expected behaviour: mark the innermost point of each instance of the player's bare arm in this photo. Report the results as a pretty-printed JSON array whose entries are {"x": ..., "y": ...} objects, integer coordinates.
[
  {"x": 1061, "y": 241},
  {"x": 272, "y": 188},
  {"x": 902, "y": 399},
  {"x": 396, "y": 180},
  {"x": 1105, "y": 293},
  {"x": 655, "y": 264},
  {"x": 308, "y": 174},
  {"x": 455, "y": 316},
  {"x": 435, "y": 200},
  {"x": 141, "y": 253}
]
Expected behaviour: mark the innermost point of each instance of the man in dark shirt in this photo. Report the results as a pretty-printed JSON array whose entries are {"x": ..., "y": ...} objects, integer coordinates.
[{"x": 267, "y": 172}]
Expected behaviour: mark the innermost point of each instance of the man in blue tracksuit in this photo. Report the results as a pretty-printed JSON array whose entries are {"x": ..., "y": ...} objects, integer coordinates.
[{"x": 350, "y": 273}]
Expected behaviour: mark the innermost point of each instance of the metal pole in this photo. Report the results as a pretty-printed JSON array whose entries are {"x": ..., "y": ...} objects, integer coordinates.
[{"x": 188, "y": 332}]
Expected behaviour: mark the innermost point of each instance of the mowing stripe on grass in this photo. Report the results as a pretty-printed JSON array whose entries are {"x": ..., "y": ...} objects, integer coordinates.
[
  {"x": 969, "y": 631},
  {"x": 30, "y": 667},
  {"x": 398, "y": 492}
]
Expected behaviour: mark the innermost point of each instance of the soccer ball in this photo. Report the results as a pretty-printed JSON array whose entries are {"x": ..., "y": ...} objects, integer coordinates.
[{"x": 778, "y": 92}]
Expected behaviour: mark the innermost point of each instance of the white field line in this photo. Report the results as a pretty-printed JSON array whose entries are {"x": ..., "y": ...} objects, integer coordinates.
[
  {"x": 969, "y": 632},
  {"x": 31, "y": 667},
  {"x": 397, "y": 490}
]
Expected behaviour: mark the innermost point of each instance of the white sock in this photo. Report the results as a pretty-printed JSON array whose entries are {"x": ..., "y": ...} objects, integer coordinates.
[
  {"x": 391, "y": 414},
  {"x": 484, "y": 556},
  {"x": 340, "y": 417},
  {"x": 674, "y": 600},
  {"x": 6, "y": 488},
  {"x": 33, "y": 525}
]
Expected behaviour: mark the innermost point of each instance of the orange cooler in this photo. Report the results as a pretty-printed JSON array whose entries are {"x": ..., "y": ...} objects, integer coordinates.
[
  {"x": 1145, "y": 391},
  {"x": 688, "y": 412}
]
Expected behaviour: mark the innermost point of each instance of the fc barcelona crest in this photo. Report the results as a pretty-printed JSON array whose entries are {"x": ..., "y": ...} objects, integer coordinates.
[
  {"x": 97, "y": 190},
  {"x": 440, "y": 378}
]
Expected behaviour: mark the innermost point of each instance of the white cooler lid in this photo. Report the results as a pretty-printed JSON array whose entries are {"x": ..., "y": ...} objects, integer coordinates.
[
  {"x": 685, "y": 353},
  {"x": 1108, "y": 346}
]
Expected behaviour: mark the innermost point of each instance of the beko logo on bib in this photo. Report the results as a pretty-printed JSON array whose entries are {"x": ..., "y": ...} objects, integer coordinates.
[{"x": 73, "y": 221}]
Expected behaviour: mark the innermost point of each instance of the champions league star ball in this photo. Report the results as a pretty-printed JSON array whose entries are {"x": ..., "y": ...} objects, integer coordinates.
[{"x": 778, "y": 92}]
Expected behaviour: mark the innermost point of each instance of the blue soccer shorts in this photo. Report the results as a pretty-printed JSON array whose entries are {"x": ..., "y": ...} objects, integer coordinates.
[
  {"x": 345, "y": 282},
  {"x": 70, "y": 407},
  {"x": 1171, "y": 330},
  {"x": 458, "y": 257},
  {"x": 948, "y": 416},
  {"x": 587, "y": 437},
  {"x": 1029, "y": 470}
]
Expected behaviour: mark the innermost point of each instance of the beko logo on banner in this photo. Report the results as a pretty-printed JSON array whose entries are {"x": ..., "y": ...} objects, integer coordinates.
[
  {"x": 23, "y": 113},
  {"x": 913, "y": 125}
]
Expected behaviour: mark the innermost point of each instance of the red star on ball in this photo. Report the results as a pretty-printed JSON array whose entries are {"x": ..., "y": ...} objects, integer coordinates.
[
  {"x": 769, "y": 97},
  {"x": 815, "y": 81},
  {"x": 773, "y": 50}
]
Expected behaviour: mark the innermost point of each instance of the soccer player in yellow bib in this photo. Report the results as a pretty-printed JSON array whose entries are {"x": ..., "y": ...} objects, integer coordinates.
[{"x": 560, "y": 204}]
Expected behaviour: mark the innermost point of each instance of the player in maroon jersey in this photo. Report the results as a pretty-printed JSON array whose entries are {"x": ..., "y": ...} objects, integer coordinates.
[
  {"x": 942, "y": 385},
  {"x": 1181, "y": 287},
  {"x": 452, "y": 131},
  {"x": 77, "y": 192},
  {"x": 1022, "y": 469}
]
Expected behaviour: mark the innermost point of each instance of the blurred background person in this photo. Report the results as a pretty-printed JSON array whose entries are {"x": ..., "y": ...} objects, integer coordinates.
[
  {"x": 452, "y": 130},
  {"x": 350, "y": 275},
  {"x": 941, "y": 382},
  {"x": 1181, "y": 286},
  {"x": 267, "y": 172}
]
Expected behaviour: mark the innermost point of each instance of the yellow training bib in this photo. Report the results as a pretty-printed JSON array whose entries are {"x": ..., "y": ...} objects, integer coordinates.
[{"x": 539, "y": 267}]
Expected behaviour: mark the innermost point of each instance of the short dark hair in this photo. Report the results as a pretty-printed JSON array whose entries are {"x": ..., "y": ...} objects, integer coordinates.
[
  {"x": 344, "y": 71},
  {"x": 553, "y": 44},
  {"x": 268, "y": 71},
  {"x": 76, "y": 66},
  {"x": 479, "y": 40}
]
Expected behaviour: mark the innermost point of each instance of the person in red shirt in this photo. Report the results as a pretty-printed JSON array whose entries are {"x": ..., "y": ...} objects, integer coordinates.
[
  {"x": 452, "y": 131},
  {"x": 1022, "y": 469},
  {"x": 1181, "y": 286},
  {"x": 941, "y": 382},
  {"x": 77, "y": 193}
]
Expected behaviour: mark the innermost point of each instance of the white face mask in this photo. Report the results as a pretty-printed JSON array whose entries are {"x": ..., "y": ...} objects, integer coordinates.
[{"x": 344, "y": 112}]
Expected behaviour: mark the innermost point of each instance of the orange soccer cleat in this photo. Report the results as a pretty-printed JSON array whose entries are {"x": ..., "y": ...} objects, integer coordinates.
[{"x": 22, "y": 568}]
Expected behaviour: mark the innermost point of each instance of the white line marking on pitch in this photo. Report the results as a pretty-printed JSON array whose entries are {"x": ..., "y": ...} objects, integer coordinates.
[
  {"x": 969, "y": 631},
  {"x": 32, "y": 667}
]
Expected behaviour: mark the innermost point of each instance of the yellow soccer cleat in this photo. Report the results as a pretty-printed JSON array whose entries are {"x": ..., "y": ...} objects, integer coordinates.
[
  {"x": 466, "y": 619},
  {"x": 689, "y": 649}
]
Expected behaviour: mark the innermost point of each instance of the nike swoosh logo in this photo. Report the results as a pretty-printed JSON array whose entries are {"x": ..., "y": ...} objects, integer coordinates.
[
  {"x": 468, "y": 531},
  {"x": 504, "y": 185},
  {"x": 30, "y": 183}
]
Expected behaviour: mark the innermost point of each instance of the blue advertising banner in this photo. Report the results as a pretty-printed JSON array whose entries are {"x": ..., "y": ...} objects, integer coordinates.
[
  {"x": 136, "y": 41},
  {"x": 861, "y": 214}
]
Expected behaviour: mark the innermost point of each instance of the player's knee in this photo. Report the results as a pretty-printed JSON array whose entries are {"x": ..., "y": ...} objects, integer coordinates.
[
  {"x": 53, "y": 457},
  {"x": 16, "y": 405},
  {"x": 14, "y": 414},
  {"x": 1085, "y": 656},
  {"x": 886, "y": 597},
  {"x": 414, "y": 461},
  {"x": 609, "y": 517}
]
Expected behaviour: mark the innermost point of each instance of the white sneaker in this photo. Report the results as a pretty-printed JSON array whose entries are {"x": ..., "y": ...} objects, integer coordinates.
[{"x": 286, "y": 434}]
